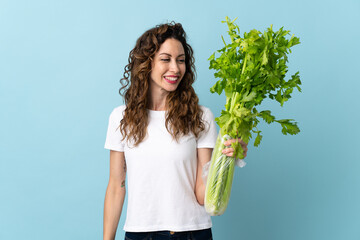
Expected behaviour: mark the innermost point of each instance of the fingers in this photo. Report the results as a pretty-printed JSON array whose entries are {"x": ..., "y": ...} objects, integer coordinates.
[
  {"x": 230, "y": 151},
  {"x": 228, "y": 142}
]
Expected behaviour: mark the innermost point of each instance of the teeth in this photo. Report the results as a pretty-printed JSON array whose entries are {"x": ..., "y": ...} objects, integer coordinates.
[{"x": 171, "y": 78}]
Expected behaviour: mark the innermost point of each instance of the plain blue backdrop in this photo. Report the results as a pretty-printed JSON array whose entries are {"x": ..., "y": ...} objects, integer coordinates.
[{"x": 60, "y": 66}]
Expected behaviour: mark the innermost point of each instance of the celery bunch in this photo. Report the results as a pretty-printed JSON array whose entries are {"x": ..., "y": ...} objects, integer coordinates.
[{"x": 251, "y": 68}]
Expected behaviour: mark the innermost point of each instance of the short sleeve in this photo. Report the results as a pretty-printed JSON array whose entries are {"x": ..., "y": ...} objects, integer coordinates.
[
  {"x": 114, "y": 136},
  {"x": 207, "y": 138}
]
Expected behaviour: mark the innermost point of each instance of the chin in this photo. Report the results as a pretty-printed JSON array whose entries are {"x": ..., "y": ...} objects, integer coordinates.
[{"x": 170, "y": 88}]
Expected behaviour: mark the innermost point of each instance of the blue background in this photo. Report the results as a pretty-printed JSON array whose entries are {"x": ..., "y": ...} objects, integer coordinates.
[{"x": 60, "y": 65}]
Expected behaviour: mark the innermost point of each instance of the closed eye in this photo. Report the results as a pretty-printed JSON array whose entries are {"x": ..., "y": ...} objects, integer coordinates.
[{"x": 168, "y": 60}]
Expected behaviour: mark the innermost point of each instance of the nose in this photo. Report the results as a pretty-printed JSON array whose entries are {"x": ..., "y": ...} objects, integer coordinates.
[{"x": 174, "y": 66}]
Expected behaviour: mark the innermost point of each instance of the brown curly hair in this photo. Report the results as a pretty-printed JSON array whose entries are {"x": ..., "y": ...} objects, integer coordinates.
[{"x": 184, "y": 113}]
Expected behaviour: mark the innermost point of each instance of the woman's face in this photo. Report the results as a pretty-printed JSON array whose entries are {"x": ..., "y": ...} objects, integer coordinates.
[{"x": 168, "y": 67}]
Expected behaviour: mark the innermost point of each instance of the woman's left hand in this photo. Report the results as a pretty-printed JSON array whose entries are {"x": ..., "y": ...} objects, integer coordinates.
[{"x": 230, "y": 151}]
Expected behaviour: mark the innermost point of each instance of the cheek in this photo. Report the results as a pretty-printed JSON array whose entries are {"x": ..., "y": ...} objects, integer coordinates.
[
  {"x": 156, "y": 72},
  {"x": 183, "y": 69},
  {"x": 160, "y": 69}
]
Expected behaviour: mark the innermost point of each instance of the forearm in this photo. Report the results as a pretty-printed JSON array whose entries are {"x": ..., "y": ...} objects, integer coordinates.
[
  {"x": 114, "y": 200},
  {"x": 203, "y": 158},
  {"x": 200, "y": 193}
]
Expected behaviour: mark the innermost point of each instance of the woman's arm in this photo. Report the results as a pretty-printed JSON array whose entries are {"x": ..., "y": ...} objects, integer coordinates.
[
  {"x": 115, "y": 194},
  {"x": 203, "y": 157}
]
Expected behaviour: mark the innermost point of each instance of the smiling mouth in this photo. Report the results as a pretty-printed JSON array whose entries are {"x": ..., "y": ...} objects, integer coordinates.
[{"x": 171, "y": 79}]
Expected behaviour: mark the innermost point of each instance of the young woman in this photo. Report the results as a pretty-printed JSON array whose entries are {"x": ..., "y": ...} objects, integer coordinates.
[{"x": 161, "y": 138}]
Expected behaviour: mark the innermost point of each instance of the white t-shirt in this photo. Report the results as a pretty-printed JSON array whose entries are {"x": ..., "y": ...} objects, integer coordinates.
[{"x": 161, "y": 175}]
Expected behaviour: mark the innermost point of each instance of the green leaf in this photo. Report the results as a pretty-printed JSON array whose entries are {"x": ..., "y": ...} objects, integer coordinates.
[
  {"x": 241, "y": 112},
  {"x": 266, "y": 115},
  {"x": 264, "y": 57},
  {"x": 228, "y": 91},
  {"x": 258, "y": 139},
  {"x": 288, "y": 127},
  {"x": 249, "y": 97},
  {"x": 218, "y": 87},
  {"x": 278, "y": 97},
  {"x": 212, "y": 57},
  {"x": 238, "y": 150},
  {"x": 223, "y": 119}
]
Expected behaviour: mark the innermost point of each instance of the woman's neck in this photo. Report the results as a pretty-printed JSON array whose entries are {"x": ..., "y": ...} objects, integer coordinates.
[
  {"x": 157, "y": 103},
  {"x": 157, "y": 100},
  {"x": 157, "y": 107}
]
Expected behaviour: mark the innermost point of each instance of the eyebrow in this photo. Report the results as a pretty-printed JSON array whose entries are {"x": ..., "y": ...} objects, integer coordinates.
[{"x": 170, "y": 54}]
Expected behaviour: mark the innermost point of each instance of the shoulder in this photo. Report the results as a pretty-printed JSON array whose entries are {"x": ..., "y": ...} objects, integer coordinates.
[
  {"x": 207, "y": 137},
  {"x": 119, "y": 109},
  {"x": 117, "y": 112},
  {"x": 207, "y": 113}
]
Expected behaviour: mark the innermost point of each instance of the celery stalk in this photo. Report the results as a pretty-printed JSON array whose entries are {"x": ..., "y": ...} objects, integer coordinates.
[{"x": 218, "y": 185}]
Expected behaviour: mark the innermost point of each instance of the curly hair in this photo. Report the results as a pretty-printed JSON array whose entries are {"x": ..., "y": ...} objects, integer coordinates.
[{"x": 184, "y": 114}]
